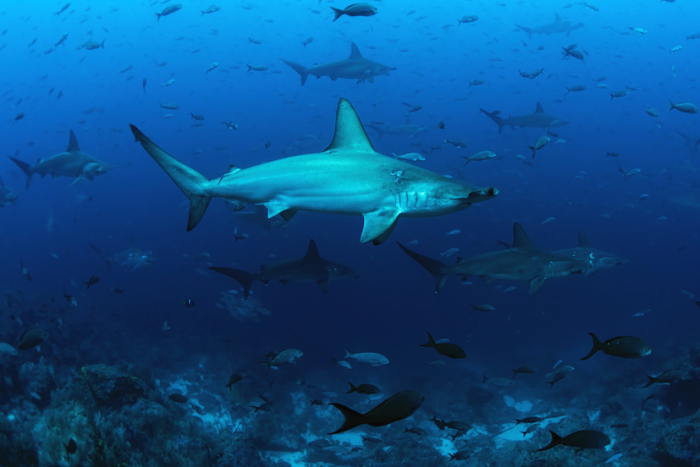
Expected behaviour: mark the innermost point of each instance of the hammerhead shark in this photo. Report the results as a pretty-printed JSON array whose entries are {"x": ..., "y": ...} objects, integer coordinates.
[
  {"x": 539, "y": 119},
  {"x": 349, "y": 177},
  {"x": 354, "y": 67},
  {"x": 310, "y": 268},
  {"x": 72, "y": 163},
  {"x": 520, "y": 262},
  {"x": 593, "y": 259},
  {"x": 558, "y": 26},
  {"x": 407, "y": 129}
]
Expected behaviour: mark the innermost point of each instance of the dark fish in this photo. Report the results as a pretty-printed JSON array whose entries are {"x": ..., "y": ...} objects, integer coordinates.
[
  {"x": 666, "y": 377},
  {"x": 356, "y": 9},
  {"x": 236, "y": 377},
  {"x": 32, "y": 338},
  {"x": 619, "y": 425},
  {"x": 116, "y": 290},
  {"x": 71, "y": 447},
  {"x": 530, "y": 429},
  {"x": 440, "y": 424},
  {"x": 399, "y": 406},
  {"x": 441, "y": 125},
  {"x": 459, "y": 426},
  {"x": 585, "y": 439},
  {"x": 169, "y": 10},
  {"x": 364, "y": 389},
  {"x": 460, "y": 456},
  {"x": 179, "y": 398},
  {"x": 529, "y": 420},
  {"x": 65, "y": 7},
  {"x": 19, "y": 116},
  {"x": 92, "y": 281},
  {"x": 198, "y": 409},
  {"x": 143, "y": 85},
  {"x": 624, "y": 347},
  {"x": 371, "y": 440},
  {"x": 316, "y": 402},
  {"x": 416, "y": 431},
  {"x": 557, "y": 377},
  {"x": 525, "y": 369},
  {"x": 447, "y": 349},
  {"x": 197, "y": 117}
]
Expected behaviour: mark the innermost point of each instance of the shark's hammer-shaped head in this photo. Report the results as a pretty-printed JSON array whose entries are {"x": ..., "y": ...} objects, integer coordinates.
[{"x": 94, "y": 169}]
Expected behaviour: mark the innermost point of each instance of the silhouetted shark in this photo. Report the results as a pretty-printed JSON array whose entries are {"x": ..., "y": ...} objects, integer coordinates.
[
  {"x": 539, "y": 119},
  {"x": 557, "y": 27}
]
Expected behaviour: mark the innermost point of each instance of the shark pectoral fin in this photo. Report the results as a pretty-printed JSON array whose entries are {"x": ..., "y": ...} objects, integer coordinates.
[
  {"x": 324, "y": 285},
  {"x": 536, "y": 284},
  {"x": 275, "y": 208},
  {"x": 370, "y": 78},
  {"x": 236, "y": 205},
  {"x": 77, "y": 179},
  {"x": 287, "y": 214},
  {"x": 378, "y": 225}
]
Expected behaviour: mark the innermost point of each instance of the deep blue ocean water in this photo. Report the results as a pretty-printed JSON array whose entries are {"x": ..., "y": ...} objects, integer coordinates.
[{"x": 391, "y": 306}]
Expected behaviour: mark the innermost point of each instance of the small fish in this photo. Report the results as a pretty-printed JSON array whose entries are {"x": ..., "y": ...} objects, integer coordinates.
[
  {"x": 638, "y": 30},
  {"x": 685, "y": 107},
  {"x": 169, "y": 10},
  {"x": 32, "y": 338},
  {"x": 356, "y": 9},
  {"x": 233, "y": 379},
  {"x": 92, "y": 281},
  {"x": 441, "y": 125},
  {"x": 411, "y": 156},
  {"x": 548, "y": 220},
  {"x": 254, "y": 41},
  {"x": 624, "y": 347},
  {"x": 197, "y": 117},
  {"x": 453, "y": 232},
  {"x": 25, "y": 272},
  {"x": 61, "y": 40},
  {"x": 652, "y": 112},
  {"x": 450, "y": 252},
  {"x": 307, "y": 41},
  {"x": 476, "y": 82},
  {"x": 19, "y": 116},
  {"x": 614, "y": 458},
  {"x": 65, "y": 7},
  {"x": 71, "y": 447},
  {"x": 211, "y": 9},
  {"x": 189, "y": 303},
  {"x": 539, "y": 144},
  {"x": 447, "y": 349},
  {"x": 509, "y": 289},
  {"x": 485, "y": 308},
  {"x": 179, "y": 398},
  {"x": 467, "y": 19},
  {"x": 256, "y": 68},
  {"x": 456, "y": 143},
  {"x": 143, "y": 85},
  {"x": 213, "y": 66},
  {"x": 367, "y": 389}
]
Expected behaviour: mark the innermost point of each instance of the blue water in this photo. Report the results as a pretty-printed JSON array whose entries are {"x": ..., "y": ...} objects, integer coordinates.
[{"x": 391, "y": 306}]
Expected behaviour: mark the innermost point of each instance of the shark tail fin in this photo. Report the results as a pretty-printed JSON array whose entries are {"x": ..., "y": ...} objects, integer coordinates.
[
  {"x": 352, "y": 418},
  {"x": 243, "y": 277},
  {"x": 494, "y": 116},
  {"x": 189, "y": 181},
  {"x": 301, "y": 69},
  {"x": 597, "y": 345},
  {"x": 26, "y": 168},
  {"x": 433, "y": 266},
  {"x": 338, "y": 13}
]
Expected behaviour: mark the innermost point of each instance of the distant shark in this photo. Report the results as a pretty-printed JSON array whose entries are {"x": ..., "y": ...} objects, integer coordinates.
[
  {"x": 72, "y": 163},
  {"x": 349, "y": 177},
  {"x": 310, "y": 268},
  {"x": 354, "y": 67},
  {"x": 559, "y": 26},
  {"x": 521, "y": 262},
  {"x": 407, "y": 129},
  {"x": 132, "y": 257},
  {"x": 592, "y": 258},
  {"x": 539, "y": 119}
]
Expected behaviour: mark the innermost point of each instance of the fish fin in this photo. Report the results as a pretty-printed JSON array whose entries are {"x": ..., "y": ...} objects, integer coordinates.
[
  {"x": 287, "y": 214},
  {"x": 77, "y": 179},
  {"x": 301, "y": 69},
  {"x": 494, "y": 116},
  {"x": 312, "y": 251},
  {"x": 189, "y": 181},
  {"x": 431, "y": 265},
  {"x": 349, "y": 132},
  {"x": 354, "y": 51},
  {"x": 583, "y": 241},
  {"x": 243, "y": 277},
  {"x": 387, "y": 233},
  {"x": 430, "y": 343},
  {"x": 352, "y": 418},
  {"x": 26, "y": 168},
  {"x": 353, "y": 388},
  {"x": 520, "y": 238},
  {"x": 347, "y": 354},
  {"x": 377, "y": 224},
  {"x": 338, "y": 13},
  {"x": 557, "y": 17},
  {"x": 556, "y": 440},
  {"x": 539, "y": 109},
  {"x": 536, "y": 284},
  {"x": 72, "y": 143},
  {"x": 650, "y": 381},
  {"x": 275, "y": 208},
  {"x": 597, "y": 345},
  {"x": 323, "y": 283}
]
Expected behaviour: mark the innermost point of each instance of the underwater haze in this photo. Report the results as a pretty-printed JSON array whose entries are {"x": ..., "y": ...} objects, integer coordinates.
[{"x": 537, "y": 162}]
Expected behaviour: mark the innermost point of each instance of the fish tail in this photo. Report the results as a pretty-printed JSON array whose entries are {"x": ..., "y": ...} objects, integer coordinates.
[
  {"x": 189, "y": 181},
  {"x": 673, "y": 106},
  {"x": 338, "y": 13},
  {"x": 347, "y": 354},
  {"x": 301, "y": 69},
  {"x": 534, "y": 151},
  {"x": 597, "y": 345},
  {"x": 26, "y": 168},
  {"x": 430, "y": 343},
  {"x": 650, "y": 380},
  {"x": 433, "y": 266},
  {"x": 494, "y": 116},
  {"x": 515, "y": 372},
  {"x": 353, "y": 388},
  {"x": 243, "y": 277},
  {"x": 556, "y": 440},
  {"x": 352, "y": 418},
  {"x": 158, "y": 15}
]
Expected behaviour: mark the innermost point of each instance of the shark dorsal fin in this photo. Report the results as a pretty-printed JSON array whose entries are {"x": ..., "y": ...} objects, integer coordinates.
[
  {"x": 354, "y": 51},
  {"x": 72, "y": 143},
  {"x": 349, "y": 132},
  {"x": 539, "y": 109},
  {"x": 583, "y": 240},
  {"x": 312, "y": 252},
  {"x": 520, "y": 239},
  {"x": 557, "y": 17}
]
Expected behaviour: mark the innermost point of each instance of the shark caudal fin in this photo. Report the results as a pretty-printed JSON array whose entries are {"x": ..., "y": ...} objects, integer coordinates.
[
  {"x": 352, "y": 418},
  {"x": 301, "y": 69},
  {"x": 26, "y": 168},
  {"x": 494, "y": 116},
  {"x": 433, "y": 266},
  {"x": 243, "y": 277},
  {"x": 597, "y": 345},
  {"x": 188, "y": 180},
  {"x": 529, "y": 31}
]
